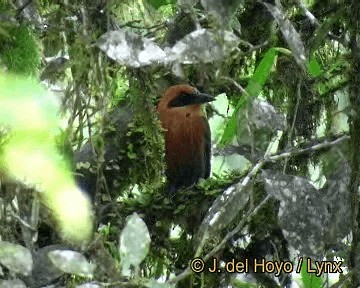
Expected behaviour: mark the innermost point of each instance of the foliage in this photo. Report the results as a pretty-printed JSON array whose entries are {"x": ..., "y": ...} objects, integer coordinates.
[
  {"x": 20, "y": 50},
  {"x": 310, "y": 280}
]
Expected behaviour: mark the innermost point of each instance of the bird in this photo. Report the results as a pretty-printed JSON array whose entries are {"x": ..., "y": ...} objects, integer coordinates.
[{"x": 187, "y": 136}]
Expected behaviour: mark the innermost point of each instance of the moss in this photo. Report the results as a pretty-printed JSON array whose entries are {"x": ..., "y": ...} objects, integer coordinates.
[{"x": 19, "y": 51}]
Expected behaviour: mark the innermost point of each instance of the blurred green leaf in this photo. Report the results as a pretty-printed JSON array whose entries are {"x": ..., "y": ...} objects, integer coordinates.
[{"x": 31, "y": 155}]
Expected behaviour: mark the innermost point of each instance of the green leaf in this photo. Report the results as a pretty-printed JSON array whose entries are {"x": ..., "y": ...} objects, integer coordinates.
[
  {"x": 309, "y": 280},
  {"x": 314, "y": 67},
  {"x": 253, "y": 89},
  {"x": 230, "y": 129},
  {"x": 262, "y": 73},
  {"x": 156, "y": 4}
]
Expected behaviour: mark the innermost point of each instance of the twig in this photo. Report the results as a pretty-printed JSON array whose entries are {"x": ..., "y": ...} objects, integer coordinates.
[
  {"x": 23, "y": 222},
  {"x": 252, "y": 48},
  {"x": 343, "y": 279},
  {"x": 316, "y": 23},
  {"x": 237, "y": 85},
  {"x": 227, "y": 237},
  {"x": 316, "y": 147}
]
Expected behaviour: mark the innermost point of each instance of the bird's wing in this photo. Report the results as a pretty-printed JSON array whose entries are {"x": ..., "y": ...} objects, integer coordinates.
[{"x": 207, "y": 149}]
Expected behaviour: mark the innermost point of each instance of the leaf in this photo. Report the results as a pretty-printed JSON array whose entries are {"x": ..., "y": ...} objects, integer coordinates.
[
  {"x": 200, "y": 46},
  {"x": 262, "y": 115},
  {"x": 290, "y": 34},
  {"x": 303, "y": 212},
  {"x": 130, "y": 49},
  {"x": 262, "y": 73},
  {"x": 224, "y": 209},
  {"x": 44, "y": 271},
  {"x": 257, "y": 124},
  {"x": 134, "y": 243},
  {"x": 14, "y": 283},
  {"x": 71, "y": 262},
  {"x": 203, "y": 46},
  {"x": 322, "y": 31},
  {"x": 54, "y": 67},
  {"x": 231, "y": 126},
  {"x": 156, "y": 4},
  {"x": 16, "y": 258},
  {"x": 222, "y": 10},
  {"x": 310, "y": 280},
  {"x": 253, "y": 89},
  {"x": 337, "y": 195},
  {"x": 314, "y": 67}
]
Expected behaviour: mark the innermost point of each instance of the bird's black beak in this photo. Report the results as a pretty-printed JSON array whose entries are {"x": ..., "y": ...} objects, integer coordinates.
[
  {"x": 185, "y": 99},
  {"x": 199, "y": 98}
]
